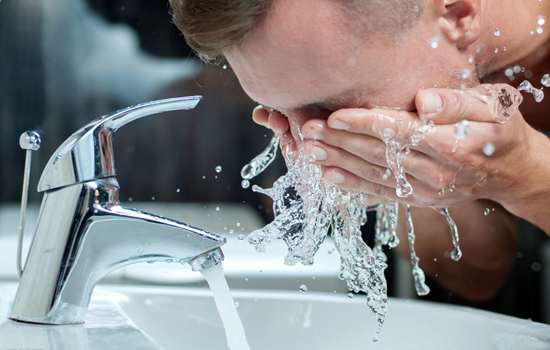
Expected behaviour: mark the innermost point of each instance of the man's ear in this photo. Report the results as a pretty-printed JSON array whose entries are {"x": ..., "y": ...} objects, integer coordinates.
[{"x": 460, "y": 21}]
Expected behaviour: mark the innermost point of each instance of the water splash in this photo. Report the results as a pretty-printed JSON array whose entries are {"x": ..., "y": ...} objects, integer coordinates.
[
  {"x": 456, "y": 254},
  {"x": 306, "y": 208},
  {"x": 418, "y": 275},
  {"x": 261, "y": 161},
  {"x": 488, "y": 149},
  {"x": 399, "y": 135},
  {"x": 462, "y": 128},
  {"x": 526, "y": 86},
  {"x": 502, "y": 99}
]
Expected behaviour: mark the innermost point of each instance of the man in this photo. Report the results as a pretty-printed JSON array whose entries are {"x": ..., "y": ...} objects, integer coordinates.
[{"x": 332, "y": 66}]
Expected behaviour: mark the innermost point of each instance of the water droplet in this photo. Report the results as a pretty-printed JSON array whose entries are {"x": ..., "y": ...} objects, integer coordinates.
[
  {"x": 539, "y": 30},
  {"x": 238, "y": 224},
  {"x": 218, "y": 169},
  {"x": 470, "y": 59},
  {"x": 241, "y": 237},
  {"x": 487, "y": 211},
  {"x": 130, "y": 199},
  {"x": 442, "y": 191},
  {"x": 536, "y": 266},
  {"x": 496, "y": 50},
  {"x": 152, "y": 198},
  {"x": 497, "y": 32},
  {"x": 231, "y": 231},
  {"x": 178, "y": 190},
  {"x": 350, "y": 295},
  {"x": 466, "y": 73},
  {"x": 204, "y": 177},
  {"x": 217, "y": 208},
  {"x": 224, "y": 66},
  {"x": 151, "y": 262},
  {"x": 168, "y": 261},
  {"x": 488, "y": 149},
  {"x": 532, "y": 32},
  {"x": 526, "y": 86},
  {"x": 245, "y": 184},
  {"x": 541, "y": 20},
  {"x": 303, "y": 288},
  {"x": 462, "y": 128},
  {"x": 434, "y": 42},
  {"x": 509, "y": 72},
  {"x": 545, "y": 80}
]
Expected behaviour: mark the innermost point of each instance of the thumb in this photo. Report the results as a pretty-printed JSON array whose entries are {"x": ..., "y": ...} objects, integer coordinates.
[{"x": 483, "y": 103}]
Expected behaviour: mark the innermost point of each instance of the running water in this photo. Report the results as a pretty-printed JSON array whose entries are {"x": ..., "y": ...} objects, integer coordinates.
[{"x": 234, "y": 331}]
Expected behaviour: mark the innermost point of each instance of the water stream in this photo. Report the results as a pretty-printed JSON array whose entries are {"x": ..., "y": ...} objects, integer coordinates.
[{"x": 234, "y": 331}]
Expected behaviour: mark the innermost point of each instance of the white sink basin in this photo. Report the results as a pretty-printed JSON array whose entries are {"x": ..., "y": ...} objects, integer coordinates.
[{"x": 127, "y": 317}]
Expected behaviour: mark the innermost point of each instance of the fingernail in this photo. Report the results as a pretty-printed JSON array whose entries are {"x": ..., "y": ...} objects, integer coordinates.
[
  {"x": 336, "y": 178},
  {"x": 339, "y": 125},
  {"x": 319, "y": 153},
  {"x": 431, "y": 103},
  {"x": 314, "y": 135}
]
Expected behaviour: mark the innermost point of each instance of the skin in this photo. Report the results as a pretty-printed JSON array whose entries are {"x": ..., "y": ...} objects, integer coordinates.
[{"x": 337, "y": 89}]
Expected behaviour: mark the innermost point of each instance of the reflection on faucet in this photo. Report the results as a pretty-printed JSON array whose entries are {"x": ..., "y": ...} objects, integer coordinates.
[{"x": 83, "y": 233}]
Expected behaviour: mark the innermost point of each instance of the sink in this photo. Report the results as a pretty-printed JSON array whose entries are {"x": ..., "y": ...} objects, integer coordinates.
[{"x": 168, "y": 317}]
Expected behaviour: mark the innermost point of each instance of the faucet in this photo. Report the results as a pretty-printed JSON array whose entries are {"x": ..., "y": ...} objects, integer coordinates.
[{"x": 83, "y": 232}]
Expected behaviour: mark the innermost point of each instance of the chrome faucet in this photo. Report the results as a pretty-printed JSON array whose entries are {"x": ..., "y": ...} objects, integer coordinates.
[{"x": 83, "y": 232}]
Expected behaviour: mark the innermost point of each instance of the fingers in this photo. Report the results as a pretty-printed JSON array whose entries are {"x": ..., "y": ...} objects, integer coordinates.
[
  {"x": 260, "y": 115},
  {"x": 270, "y": 119},
  {"x": 336, "y": 157},
  {"x": 350, "y": 181},
  {"x": 481, "y": 104},
  {"x": 369, "y": 148}
]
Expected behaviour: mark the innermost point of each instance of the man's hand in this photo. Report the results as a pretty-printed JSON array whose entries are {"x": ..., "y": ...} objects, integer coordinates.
[{"x": 442, "y": 170}]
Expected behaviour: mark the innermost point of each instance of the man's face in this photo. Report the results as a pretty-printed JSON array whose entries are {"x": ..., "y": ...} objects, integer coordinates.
[{"x": 309, "y": 58}]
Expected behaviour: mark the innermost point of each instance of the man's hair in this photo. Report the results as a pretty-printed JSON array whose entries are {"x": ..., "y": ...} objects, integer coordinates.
[{"x": 211, "y": 26}]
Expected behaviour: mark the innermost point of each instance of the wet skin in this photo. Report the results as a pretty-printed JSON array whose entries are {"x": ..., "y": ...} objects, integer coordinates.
[{"x": 339, "y": 79}]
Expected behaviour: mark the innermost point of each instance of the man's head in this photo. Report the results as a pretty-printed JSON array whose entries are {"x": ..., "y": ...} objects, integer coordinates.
[
  {"x": 212, "y": 26},
  {"x": 309, "y": 56}
]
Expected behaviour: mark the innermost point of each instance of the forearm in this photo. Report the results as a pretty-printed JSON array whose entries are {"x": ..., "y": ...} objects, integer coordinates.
[
  {"x": 528, "y": 196},
  {"x": 488, "y": 244}
]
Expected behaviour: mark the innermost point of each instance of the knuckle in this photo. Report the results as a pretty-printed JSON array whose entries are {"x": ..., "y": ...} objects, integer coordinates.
[
  {"x": 462, "y": 106},
  {"x": 377, "y": 155},
  {"x": 378, "y": 190},
  {"x": 371, "y": 173}
]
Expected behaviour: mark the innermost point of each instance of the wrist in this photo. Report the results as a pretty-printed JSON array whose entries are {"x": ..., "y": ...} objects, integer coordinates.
[{"x": 525, "y": 191}]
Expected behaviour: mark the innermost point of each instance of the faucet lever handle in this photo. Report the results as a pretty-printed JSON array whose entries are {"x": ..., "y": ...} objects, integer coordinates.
[
  {"x": 30, "y": 141},
  {"x": 88, "y": 153}
]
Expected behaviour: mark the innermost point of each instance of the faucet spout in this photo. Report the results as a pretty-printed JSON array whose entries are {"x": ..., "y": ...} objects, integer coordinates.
[{"x": 97, "y": 238}]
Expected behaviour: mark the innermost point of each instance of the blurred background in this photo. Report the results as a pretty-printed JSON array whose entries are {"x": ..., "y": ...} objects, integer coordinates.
[{"x": 64, "y": 63}]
